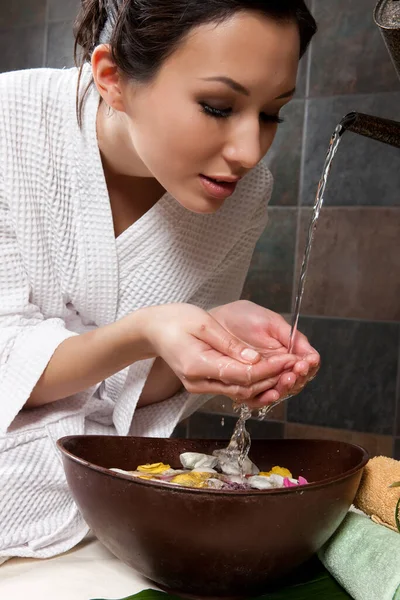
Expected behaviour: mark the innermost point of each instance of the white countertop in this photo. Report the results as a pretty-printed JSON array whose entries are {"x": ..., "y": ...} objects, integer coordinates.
[{"x": 88, "y": 571}]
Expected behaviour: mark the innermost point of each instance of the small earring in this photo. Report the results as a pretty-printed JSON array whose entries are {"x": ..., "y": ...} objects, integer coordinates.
[{"x": 109, "y": 111}]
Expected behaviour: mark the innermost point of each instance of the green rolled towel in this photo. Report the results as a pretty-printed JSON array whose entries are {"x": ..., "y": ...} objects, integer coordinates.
[{"x": 364, "y": 558}]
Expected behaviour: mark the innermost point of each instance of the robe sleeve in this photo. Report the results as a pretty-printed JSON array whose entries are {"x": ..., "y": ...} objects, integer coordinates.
[{"x": 27, "y": 339}]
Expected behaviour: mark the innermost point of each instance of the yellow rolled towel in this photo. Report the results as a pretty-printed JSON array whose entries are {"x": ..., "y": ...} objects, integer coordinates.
[{"x": 375, "y": 495}]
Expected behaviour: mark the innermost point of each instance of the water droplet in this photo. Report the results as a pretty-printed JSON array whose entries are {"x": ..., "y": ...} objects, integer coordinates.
[{"x": 222, "y": 421}]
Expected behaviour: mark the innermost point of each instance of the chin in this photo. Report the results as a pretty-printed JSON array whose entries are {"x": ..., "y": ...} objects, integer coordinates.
[{"x": 202, "y": 206}]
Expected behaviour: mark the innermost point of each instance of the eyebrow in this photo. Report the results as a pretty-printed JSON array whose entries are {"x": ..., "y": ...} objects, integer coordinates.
[{"x": 238, "y": 87}]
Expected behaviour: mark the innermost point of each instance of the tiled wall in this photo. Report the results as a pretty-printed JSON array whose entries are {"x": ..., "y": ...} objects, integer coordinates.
[{"x": 351, "y": 308}]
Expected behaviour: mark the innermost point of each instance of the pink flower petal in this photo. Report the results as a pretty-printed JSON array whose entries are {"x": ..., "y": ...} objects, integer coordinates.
[
  {"x": 302, "y": 480},
  {"x": 287, "y": 483}
]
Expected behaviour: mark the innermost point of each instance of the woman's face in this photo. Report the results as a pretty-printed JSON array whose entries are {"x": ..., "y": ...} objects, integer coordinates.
[{"x": 212, "y": 111}]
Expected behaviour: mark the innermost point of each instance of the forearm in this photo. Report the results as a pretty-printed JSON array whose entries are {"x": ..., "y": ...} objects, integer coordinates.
[
  {"x": 161, "y": 384},
  {"x": 87, "y": 359}
]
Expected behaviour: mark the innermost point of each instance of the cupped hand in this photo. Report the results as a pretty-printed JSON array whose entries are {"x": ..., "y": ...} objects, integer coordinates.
[
  {"x": 269, "y": 333},
  {"x": 209, "y": 359}
]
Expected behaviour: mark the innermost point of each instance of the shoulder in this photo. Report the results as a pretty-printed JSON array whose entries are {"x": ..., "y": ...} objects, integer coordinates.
[
  {"x": 253, "y": 195},
  {"x": 258, "y": 184},
  {"x": 28, "y": 94}
]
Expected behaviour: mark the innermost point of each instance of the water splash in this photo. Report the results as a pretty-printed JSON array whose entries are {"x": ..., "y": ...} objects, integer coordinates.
[{"x": 240, "y": 442}]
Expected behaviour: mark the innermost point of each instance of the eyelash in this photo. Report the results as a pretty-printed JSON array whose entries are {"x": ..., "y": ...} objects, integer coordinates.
[{"x": 220, "y": 113}]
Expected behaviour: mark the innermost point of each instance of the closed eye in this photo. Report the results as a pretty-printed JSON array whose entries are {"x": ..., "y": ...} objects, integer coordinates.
[
  {"x": 270, "y": 118},
  {"x": 219, "y": 113},
  {"x": 224, "y": 113}
]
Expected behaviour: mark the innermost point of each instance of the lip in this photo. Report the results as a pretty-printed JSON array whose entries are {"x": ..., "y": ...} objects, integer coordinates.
[
  {"x": 224, "y": 178},
  {"x": 220, "y": 191}
]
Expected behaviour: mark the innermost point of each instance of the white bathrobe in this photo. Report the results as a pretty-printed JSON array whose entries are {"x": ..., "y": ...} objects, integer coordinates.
[{"x": 62, "y": 272}]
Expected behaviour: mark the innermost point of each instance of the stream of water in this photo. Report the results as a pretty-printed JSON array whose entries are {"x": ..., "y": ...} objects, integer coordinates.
[{"x": 239, "y": 444}]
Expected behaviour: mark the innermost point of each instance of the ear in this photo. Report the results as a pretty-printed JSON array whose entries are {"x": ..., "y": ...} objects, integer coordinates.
[{"x": 107, "y": 77}]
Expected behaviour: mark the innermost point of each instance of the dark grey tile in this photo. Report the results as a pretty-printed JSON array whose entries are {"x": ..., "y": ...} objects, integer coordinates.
[
  {"x": 397, "y": 449},
  {"x": 63, "y": 10},
  {"x": 202, "y": 425},
  {"x": 284, "y": 157},
  {"x": 21, "y": 48},
  {"x": 364, "y": 172},
  {"x": 355, "y": 388},
  {"x": 354, "y": 269},
  {"x": 15, "y": 13},
  {"x": 60, "y": 46},
  {"x": 349, "y": 55},
  {"x": 301, "y": 84},
  {"x": 269, "y": 281},
  {"x": 181, "y": 430}
]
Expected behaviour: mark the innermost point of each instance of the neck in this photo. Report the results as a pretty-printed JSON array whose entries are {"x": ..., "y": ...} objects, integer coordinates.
[{"x": 117, "y": 152}]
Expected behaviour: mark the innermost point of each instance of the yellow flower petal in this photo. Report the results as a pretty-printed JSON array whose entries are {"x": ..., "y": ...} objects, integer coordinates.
[
  {"x": 153, "y": 469},
  {"x": 276, "y": 471},
  {"x": 196, "y": 480}
]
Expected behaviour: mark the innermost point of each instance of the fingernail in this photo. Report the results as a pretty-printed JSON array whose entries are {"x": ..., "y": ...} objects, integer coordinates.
[{"x": 249, "y": 354}]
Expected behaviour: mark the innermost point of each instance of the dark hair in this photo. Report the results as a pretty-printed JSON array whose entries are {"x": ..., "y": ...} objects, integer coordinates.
[{"x": 143, "y": 33}]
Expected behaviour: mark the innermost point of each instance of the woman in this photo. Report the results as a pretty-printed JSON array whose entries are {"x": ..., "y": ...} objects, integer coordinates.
[{"x": 131, "y": 198}]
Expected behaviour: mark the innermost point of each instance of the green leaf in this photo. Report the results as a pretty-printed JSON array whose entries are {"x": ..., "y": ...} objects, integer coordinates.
[
  {"x": 397, "y": 515},
  {"x": 149, "y": 595},
  {"x": 395, "y": 484},
  {"x": 311, "y": 582}
]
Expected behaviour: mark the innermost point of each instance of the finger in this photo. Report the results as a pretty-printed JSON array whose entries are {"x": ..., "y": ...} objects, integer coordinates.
[
  {"x": 211, "y": 332},
  {"x": 235, "y": 392},
  {"x": 286, "y": 384},
  {"x": 301, "y": 368},
  {"x": 234, "y": 372},
  {"x": 212, "y": 365},
  {"x": 301, "y": 345},
  {"x": 314, "y": 360},
  {"x": 261, "y": 400}
]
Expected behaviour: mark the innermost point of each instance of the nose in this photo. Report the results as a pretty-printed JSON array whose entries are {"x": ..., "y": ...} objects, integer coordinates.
[{"x": 248, "y": 144}]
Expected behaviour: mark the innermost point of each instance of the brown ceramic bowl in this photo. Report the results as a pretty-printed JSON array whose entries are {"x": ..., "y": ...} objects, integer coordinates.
[{"x": 211, "y": 543}]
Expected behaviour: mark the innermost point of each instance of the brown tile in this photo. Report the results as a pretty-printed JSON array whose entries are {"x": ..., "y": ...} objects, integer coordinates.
[
  {"x": 354, "y": 269},
  {"x": 221, "y": 405},
  {"x": 397, "y": 448},
  {"x": 397, "y": 431},
  {"x": 376, "y": 445}
]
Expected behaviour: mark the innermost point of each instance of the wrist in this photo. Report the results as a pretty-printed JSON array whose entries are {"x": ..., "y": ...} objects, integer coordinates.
[
  {"x": 137, "y": 332},
  {"x": 125, "y": 340}
]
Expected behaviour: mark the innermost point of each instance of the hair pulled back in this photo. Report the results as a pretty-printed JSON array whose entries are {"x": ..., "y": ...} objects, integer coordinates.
[{"x": 143, "y": 33}]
